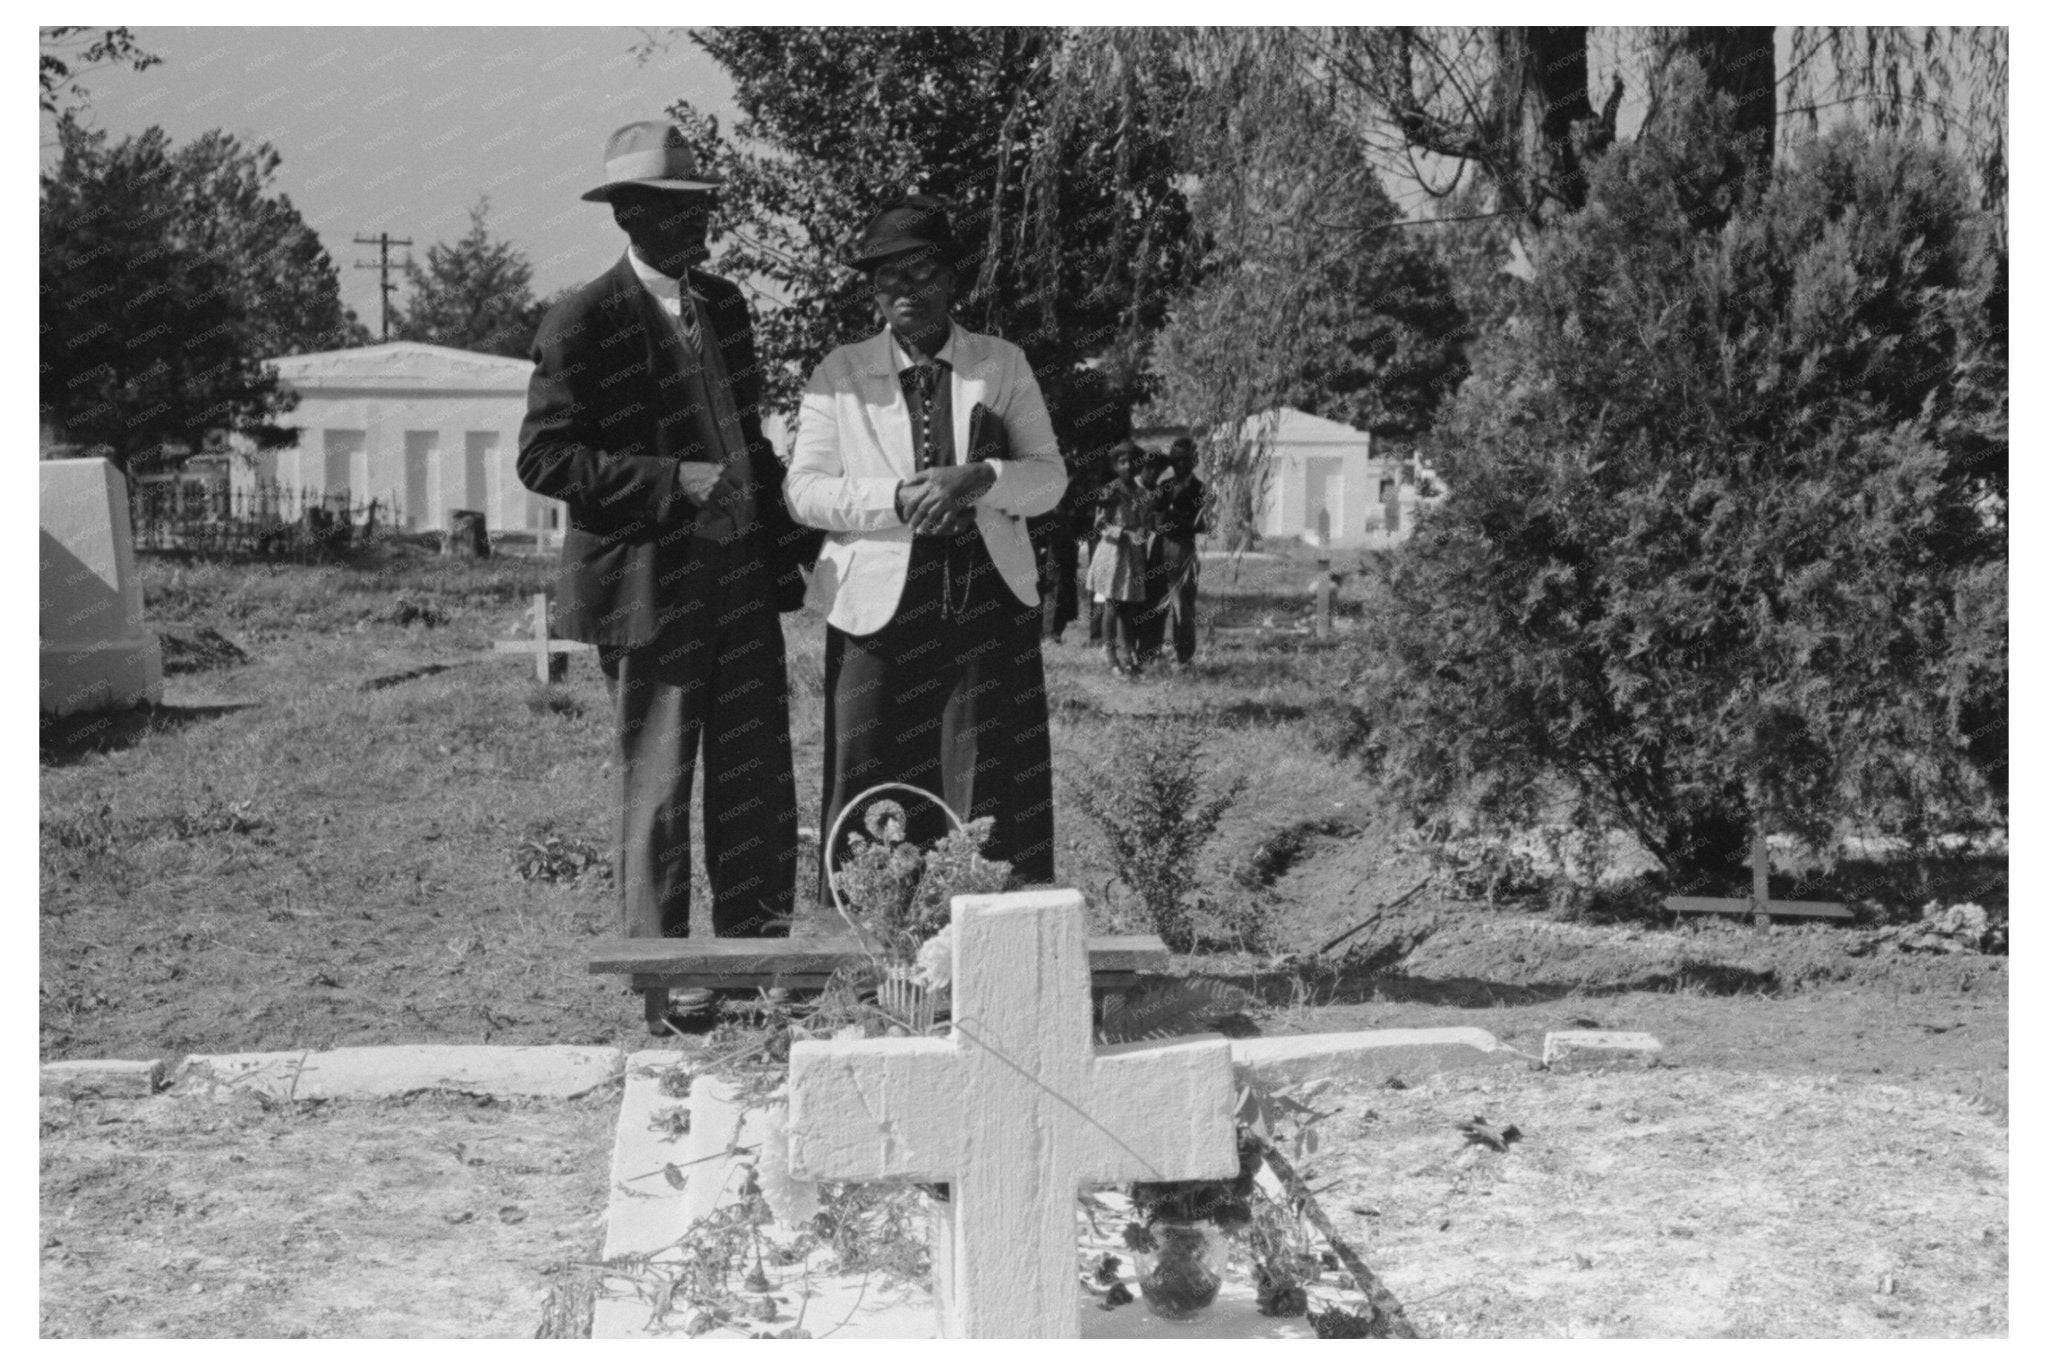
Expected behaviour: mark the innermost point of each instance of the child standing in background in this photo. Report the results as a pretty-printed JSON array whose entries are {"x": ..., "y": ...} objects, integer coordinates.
[{"x": 1116, "y": 574}]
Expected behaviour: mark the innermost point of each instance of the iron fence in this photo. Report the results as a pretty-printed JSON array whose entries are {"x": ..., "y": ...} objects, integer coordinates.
[{"x": 263, "y": 521}]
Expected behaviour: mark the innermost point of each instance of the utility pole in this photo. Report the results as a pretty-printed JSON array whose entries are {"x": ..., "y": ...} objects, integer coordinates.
[{"x": 383, "y": 241}]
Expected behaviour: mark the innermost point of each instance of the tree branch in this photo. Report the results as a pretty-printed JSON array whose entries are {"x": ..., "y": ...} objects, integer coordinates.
[{"x": 1388, "y": 1315}]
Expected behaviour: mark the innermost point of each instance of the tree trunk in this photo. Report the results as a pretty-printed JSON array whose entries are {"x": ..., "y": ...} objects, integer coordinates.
[
  {"x": 468, "y": 538},
  {"x": 1546, "y": 107}
]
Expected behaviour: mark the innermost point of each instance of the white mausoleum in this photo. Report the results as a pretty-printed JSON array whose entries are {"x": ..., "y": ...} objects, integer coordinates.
[
  {"x": 1327, "y": 486},
  {"x": 425, "y": 430}
]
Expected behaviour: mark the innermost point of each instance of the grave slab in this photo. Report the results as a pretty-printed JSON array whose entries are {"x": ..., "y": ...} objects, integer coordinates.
[
  {"x": 1600, "y": 1046},
  {"x": 1373, "y": 1055},
  {"x": 96, "y": 653},
  {"x": 373, "y": 1072},
  {"x": 647, "y": 1216},
  {"x": 123, "y": 1079}
]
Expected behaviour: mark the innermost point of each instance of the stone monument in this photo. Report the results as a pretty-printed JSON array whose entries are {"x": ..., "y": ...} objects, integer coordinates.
[{"x": 96, "y": 653}]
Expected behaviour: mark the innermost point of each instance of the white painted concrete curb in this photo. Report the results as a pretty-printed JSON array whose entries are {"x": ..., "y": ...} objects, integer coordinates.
[
  {"x": 564, "y": 1072},
  {"x": 1373, "y": 1054},
  {"x": 374, "y": 1072}
]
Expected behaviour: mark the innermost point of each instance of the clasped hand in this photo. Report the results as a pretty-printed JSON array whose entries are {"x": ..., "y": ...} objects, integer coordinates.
[
  {"x": 940, "y": 502},
  {"x": 698, "y": 479}
]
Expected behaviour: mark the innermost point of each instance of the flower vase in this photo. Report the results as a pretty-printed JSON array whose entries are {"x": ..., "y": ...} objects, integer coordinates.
[
  {"x": 1180, "y": 1267},
  {"x": 901, "y": 994}
]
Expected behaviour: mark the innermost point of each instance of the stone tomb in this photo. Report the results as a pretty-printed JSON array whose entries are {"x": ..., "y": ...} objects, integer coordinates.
[{"x": 96, "y": 653}]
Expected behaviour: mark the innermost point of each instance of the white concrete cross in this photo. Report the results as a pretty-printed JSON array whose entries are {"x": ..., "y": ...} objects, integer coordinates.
[{"x": 1014, "y": 1111}]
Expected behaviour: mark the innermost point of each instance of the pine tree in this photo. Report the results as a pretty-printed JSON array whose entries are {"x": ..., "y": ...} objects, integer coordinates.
[
  {"x": 475, "y": 294},
  {"x": 1725, "y": 541}
]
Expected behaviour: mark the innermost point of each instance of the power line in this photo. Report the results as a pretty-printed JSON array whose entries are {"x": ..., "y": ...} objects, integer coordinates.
[{"x": 383, "y": 241}]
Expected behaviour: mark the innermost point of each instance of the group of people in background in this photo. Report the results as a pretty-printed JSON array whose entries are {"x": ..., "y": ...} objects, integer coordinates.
[{"x": 1130, "y": 538}]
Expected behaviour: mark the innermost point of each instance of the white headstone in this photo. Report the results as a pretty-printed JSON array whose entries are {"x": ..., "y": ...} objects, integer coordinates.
[
  {"x": 96, "y": 653},
  {"x": 1014, "y": 1112}
]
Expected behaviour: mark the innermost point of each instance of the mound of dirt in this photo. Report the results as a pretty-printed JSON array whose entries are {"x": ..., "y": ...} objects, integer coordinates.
[
  {"x": 198, "y": 650},
  {"x": 1336, "y": 884},
  {"x": 1517, "y": 949}
]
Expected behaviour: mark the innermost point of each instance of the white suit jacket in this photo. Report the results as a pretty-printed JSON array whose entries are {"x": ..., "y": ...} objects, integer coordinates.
[{"x": 853, "y": 446}]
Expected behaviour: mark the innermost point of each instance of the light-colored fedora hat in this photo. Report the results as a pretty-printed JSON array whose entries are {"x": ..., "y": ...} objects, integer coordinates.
[{"x": 654, "y": 155}]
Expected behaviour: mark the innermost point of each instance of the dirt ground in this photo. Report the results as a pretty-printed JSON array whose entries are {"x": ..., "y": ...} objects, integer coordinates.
[
  {"x": 1676, "y": 1203},
  {"x": 427, "y": 1216}
]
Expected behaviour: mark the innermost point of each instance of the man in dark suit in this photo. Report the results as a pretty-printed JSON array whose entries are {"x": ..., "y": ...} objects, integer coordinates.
[{"x": 642, "y": 417}]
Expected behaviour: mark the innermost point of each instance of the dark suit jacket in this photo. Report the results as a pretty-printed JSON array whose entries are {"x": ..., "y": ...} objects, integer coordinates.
[{"x": 605, "y": 427}]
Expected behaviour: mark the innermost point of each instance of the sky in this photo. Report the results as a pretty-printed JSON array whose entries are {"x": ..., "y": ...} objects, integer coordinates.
[{"x": 401, "y": 130}]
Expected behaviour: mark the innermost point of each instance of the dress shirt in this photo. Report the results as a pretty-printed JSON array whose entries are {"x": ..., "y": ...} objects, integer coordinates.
[{"x": 730, "y": 509}]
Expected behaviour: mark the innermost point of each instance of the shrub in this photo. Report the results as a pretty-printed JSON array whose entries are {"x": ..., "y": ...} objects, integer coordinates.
[
  {"x": 1147, "y": 796},
  {"x": 1725, "y": 538},
  {"x": 545, "y": 854}
]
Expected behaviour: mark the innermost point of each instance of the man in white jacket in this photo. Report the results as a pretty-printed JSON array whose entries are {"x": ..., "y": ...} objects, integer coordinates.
[{"x": 921, "y": 451}]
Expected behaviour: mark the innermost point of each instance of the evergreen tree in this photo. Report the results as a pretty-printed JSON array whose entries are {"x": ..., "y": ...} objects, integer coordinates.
[
  {"x": 1725, "y": 538},
  {"x": 475, "y": 294}
]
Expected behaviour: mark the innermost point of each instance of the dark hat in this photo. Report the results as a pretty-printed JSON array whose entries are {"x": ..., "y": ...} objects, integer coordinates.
[
  {"x": 653, "y": 155},
  {"x": 911, "y": 224}
]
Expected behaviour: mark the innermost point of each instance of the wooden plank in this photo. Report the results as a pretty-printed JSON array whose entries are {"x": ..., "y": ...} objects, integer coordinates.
[
  {"x": 554, "y": 647},
  {"x": 727, "y": 958},
  {"x": 651, "y": 981},
  {"x": 1726, "y": 905}
]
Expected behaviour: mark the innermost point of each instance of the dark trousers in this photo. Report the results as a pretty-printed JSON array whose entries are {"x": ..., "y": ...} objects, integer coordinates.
[
  {"x": 1058, "y": 579},
  {"x": 1121, "y": 630},
  {"x": 716, "y": 679},
  {"x": 1152, "y": 612},
  {"x": 949, "y": 696},
  {"x": 1181, "y": 565}
]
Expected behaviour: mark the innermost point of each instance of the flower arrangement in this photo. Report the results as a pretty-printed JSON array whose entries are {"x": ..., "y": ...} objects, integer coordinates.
[{"x": 897, "y": 896}]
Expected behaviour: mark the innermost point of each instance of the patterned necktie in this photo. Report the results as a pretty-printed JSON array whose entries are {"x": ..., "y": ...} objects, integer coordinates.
[
  {"x": 926, "y": 377},
  {"x": 686, "y": 320}
]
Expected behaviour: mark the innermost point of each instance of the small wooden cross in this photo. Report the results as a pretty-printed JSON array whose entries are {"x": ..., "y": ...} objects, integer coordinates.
[
  {"x": 551, "y": 656},
  {"x": 1014, "y": 1112},
  {"x": 1759, "y": 902}
]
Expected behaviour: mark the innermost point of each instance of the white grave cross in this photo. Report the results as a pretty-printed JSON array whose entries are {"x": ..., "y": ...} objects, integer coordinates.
[{"x": 1014, "y": 1111}]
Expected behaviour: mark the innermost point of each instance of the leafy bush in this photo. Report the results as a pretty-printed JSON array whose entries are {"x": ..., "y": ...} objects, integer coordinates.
[
  {"x": 544, "y": 854},
  {"x": 1726, "y": 534},
  {"x": 1148, "y": 798}
]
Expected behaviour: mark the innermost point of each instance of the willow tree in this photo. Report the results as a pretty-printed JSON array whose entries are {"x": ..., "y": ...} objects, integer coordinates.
[{"x": 834, "y": 123}]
